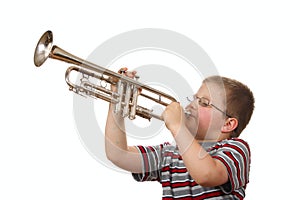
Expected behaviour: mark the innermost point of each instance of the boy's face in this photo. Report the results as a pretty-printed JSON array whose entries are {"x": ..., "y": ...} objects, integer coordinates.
[{"x": 206, "y": 122}]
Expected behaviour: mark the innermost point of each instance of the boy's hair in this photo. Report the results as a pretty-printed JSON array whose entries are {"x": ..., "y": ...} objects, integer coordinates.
[{"x": 239, "y": 100}]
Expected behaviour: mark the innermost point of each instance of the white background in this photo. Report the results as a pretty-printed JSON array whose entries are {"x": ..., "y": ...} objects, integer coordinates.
[{"x": 257, "y": 42}]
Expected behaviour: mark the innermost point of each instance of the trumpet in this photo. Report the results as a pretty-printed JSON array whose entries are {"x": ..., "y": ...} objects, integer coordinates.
[{"x": 125, "y": 98}]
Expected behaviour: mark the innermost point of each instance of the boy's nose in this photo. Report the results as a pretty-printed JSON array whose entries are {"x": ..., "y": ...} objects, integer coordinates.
[{"x": 192, "y": 105}]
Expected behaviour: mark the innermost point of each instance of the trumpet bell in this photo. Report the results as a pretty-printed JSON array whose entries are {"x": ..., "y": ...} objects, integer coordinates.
[{"x": 43, "y": 48}]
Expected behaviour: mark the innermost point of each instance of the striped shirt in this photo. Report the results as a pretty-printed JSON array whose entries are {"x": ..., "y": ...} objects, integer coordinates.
[{"x": 164, "y": 164}]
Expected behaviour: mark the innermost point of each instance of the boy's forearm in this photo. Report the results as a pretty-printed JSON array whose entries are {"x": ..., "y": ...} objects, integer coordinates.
[
  {"x": 115, "y": 136},
  {"x": 205, "y": 170},
  {"x": 117, "y": 150}
]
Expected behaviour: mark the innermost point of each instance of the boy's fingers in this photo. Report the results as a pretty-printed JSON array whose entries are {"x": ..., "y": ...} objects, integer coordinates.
[{"x": 123, "y": 70}]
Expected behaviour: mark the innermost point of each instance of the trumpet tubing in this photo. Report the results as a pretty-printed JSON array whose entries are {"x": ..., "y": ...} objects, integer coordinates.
[{"x": 125, "y": 99}]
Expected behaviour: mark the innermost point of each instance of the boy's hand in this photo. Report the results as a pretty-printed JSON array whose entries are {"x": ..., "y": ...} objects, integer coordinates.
[
  {"x": 123, "y": 70},
  {"x": 173, "y": 117}
]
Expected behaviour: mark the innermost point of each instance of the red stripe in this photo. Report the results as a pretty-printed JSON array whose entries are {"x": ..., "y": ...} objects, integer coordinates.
[
  {"x": 217, "y": 146},
  {"x": 146, "y": 163},
  {"x": 179, "y": 184},
  {"x": 238, "y": 195},
  {"x": 166, "y": 168},
  {"x": 155, "y": 155},
  {"x": 173, "y": 170},
  {"x": 172, "y": 155},
  {"x": 211, "y": 194},
  {"x": 238, "y": 149}
]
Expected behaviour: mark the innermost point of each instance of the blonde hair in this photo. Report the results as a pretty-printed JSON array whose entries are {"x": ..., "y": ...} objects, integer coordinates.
[{"x": 239, "y": 100}]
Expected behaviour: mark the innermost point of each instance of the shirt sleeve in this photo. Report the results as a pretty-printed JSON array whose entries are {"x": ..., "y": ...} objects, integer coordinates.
[
  {"x": 235, "y": 155},
  {"x": 151, "y": 162}
]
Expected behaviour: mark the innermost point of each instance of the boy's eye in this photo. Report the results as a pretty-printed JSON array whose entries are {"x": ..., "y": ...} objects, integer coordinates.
[{"x": 203, "y": 102}]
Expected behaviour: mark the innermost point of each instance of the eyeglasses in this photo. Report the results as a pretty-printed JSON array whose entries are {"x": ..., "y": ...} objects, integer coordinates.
[{"x": 204, "y": 102}]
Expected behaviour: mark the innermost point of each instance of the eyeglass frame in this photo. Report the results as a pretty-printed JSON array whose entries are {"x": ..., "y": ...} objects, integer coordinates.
[{"x": 203, "y": 104}]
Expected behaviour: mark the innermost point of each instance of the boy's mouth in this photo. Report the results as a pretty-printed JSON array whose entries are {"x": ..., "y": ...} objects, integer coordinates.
[{"x": 189, "y": 113}]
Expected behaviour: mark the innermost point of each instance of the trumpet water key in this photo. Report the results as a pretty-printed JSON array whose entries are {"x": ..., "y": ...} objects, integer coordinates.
[{"x": 125, "y": 99}]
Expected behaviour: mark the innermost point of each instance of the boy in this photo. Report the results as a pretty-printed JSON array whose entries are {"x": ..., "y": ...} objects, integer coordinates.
[{"x": 208, "y": 161}]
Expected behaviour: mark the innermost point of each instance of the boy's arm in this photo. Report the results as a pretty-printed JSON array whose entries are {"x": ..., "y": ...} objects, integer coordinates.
[
  {"x": 116, "y": 148},
  {"x": 204, "y": 169}
]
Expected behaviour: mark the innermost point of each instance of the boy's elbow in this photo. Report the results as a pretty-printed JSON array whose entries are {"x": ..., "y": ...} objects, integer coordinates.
[
  {"x": 111, "y": 155},
  {"x": 211, "y": 177},
  {"x": 113, "y": 158},
  {"x": 203, "y": 179},
  {"x": 117, "y": 156}
]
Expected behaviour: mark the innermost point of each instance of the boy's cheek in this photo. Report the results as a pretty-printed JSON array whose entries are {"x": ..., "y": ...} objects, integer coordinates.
[
  {"x": 204, "y": 116},
  {"x": 192, "y": 124}
]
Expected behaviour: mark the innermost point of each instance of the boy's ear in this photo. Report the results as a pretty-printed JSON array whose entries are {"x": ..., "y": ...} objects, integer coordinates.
[{"x": 229, "y": 125}]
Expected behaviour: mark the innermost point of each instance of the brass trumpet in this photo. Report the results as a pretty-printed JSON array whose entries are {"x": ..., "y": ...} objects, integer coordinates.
[{"x": 128, "y": 90}]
